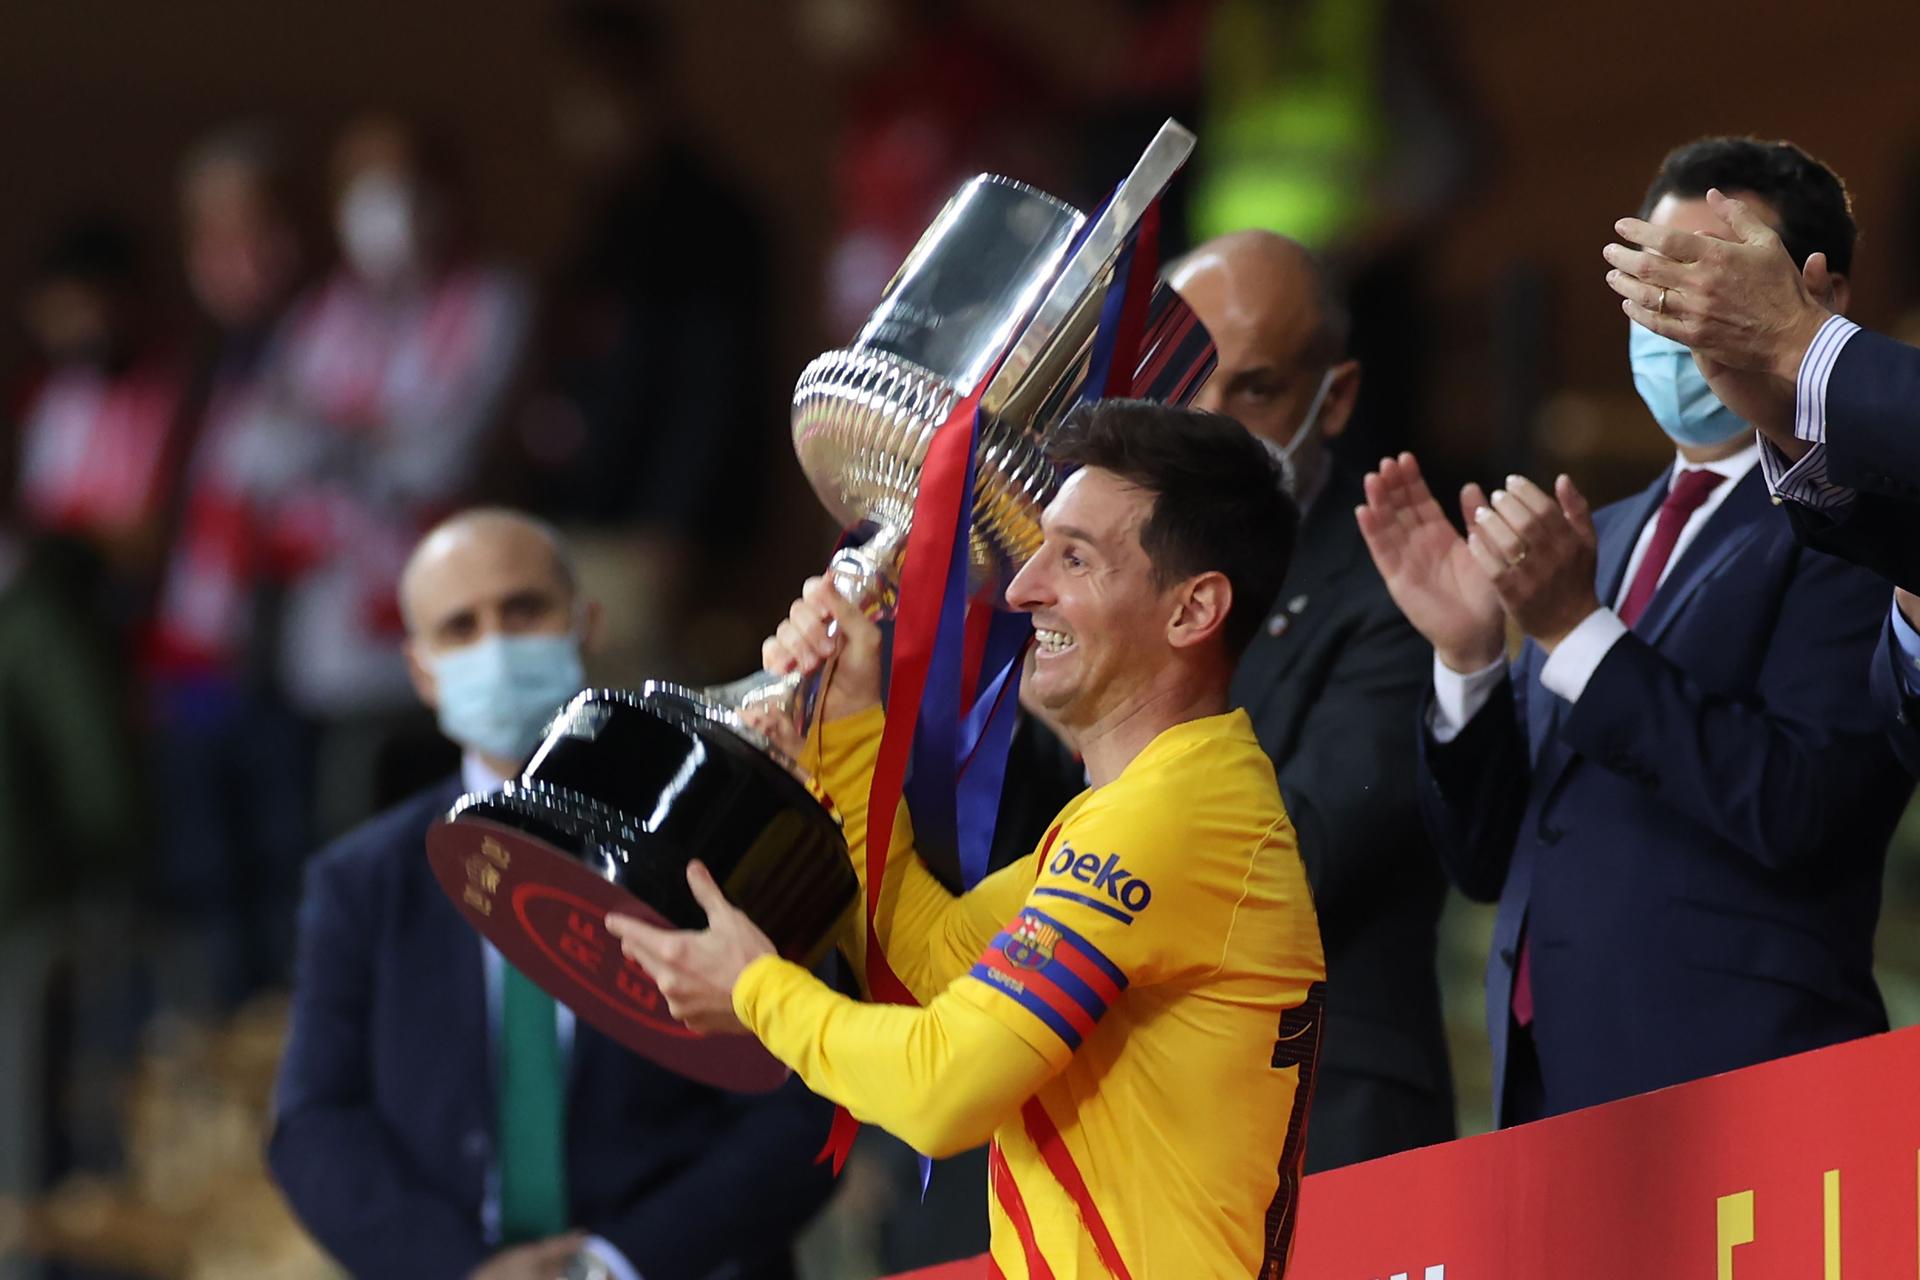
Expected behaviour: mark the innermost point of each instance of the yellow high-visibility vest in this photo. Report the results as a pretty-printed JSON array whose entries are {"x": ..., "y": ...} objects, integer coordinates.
[{"x": 1292, "y": 127}]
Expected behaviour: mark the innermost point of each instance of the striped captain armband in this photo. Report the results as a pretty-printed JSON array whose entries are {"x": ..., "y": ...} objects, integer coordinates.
[{"x": 1053, "y": 973}]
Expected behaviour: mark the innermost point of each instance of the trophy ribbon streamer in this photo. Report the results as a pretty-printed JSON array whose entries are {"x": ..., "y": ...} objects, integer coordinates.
[{"x": 932, "y": 626}]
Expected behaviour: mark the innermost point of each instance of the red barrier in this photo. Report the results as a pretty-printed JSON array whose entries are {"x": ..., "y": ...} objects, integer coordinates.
[{"x": 1803, "y": 1169}]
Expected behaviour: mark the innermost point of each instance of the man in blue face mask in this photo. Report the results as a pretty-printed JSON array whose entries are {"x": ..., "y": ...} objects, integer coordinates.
[
  {"x": 1835, "y": 405},
  {"x": 494, "y": 635},
  {"x": 437, "y": 1114},
  {"x": 1678, "y": 792}
]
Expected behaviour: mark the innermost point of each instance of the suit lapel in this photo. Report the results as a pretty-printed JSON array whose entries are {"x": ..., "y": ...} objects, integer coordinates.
[
  {"x": 1727, "y": 530},
  {"x": 466, "y": 1013},
  {"x": 1322, "y": 556}
]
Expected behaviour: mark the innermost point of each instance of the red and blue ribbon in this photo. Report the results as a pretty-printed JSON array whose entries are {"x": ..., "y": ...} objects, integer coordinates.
[{"x": 952, "y": 691}]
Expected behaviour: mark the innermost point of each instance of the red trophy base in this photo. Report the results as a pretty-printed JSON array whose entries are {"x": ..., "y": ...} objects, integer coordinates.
[{"x": 546, "y": 913}]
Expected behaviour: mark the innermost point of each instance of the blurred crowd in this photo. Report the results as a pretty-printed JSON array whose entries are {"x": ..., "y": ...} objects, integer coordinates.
[
  {"x": 208, "y": 515},
  {"x": 205, "y": 515}
]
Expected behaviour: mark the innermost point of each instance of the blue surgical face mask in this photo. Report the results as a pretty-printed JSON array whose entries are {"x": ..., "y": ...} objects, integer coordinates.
[
  {"x": 1293, "y": 477},
  {"x": 497, "y": 694},
  {"x": 1676, "y": 394}
]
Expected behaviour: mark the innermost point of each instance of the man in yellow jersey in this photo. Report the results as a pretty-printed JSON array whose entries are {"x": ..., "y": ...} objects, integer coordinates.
[{"x": 1131, "y": 1012}]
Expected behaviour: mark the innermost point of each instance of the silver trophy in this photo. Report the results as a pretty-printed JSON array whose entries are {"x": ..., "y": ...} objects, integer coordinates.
[
  {"x": 629, "y": 786},
  {"x": 997, "y": 285}
]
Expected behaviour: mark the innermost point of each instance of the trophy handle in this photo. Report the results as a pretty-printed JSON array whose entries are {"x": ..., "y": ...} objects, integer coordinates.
[
  {"x": 1066, "y": 317},
  {"x": 863, "y": 575}
]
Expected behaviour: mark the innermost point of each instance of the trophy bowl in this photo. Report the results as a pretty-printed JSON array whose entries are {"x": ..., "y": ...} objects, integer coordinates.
[{"x": 1002, "y": 294}]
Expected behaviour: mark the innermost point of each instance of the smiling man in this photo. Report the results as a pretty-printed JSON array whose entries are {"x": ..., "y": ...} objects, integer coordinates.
[{"x": 1131, "y": 1012}]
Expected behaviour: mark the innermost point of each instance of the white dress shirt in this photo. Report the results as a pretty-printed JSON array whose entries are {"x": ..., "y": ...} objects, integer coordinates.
[{"x": 1458, "y": 697}]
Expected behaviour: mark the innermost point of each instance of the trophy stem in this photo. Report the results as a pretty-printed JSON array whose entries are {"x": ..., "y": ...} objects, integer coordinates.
[{"x": 864, "y": 576}]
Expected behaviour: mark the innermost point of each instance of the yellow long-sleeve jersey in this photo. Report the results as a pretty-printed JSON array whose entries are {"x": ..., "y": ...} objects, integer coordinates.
[{"x": 1150, "y": 976}]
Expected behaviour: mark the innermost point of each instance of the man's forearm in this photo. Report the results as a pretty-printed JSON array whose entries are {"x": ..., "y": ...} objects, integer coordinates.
[
  {"x": 941, "y": 1078},
  {"x": 929, "y": 936}
]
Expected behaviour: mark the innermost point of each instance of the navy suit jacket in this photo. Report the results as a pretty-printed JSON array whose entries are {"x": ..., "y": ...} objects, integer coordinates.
[
  {"x": 384, "y": 1111},
  {"x": 1695, "y": 846},
  {"x": 1873, "y": 446}
]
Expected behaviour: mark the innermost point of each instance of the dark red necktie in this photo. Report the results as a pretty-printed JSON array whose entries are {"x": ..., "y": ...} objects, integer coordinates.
[{"x": 1690, "y": 489}]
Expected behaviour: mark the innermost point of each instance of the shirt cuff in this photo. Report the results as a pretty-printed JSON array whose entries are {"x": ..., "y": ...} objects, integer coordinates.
[
  {"x": 1575, "y": 659},
  {"x": 1908, "y": 642},
  {"x": 1804, "y": 481},
  {"x": 760, "y": 971},
  {"x": 611, "y": 1258},
  {"x": 1457, "y": 698},
  {"x": 1810, "y": 388}
]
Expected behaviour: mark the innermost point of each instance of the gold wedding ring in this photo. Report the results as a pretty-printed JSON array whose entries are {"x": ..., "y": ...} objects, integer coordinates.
[
  {"x": 1662, "y": 308},
  {"x": 1515, "y": 562}
]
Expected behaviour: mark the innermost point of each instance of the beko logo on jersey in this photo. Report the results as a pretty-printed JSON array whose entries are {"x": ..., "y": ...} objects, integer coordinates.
[{"x": 1125, "y": 888}]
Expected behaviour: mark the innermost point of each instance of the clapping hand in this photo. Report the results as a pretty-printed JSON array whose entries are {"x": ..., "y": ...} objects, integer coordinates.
[
  {"x": 1429, "y": 569},
  {"x": 1527, "y": 555},
  {"x": 1737, "y": 301},
  {"x": 1538, "y": 552}
]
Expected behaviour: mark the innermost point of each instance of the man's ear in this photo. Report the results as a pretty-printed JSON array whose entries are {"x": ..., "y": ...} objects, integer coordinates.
[
  {"x": 421, "y": 675},
  {"x": 1200, "y": 609},
  {"x": 1342, "y": 394},
  {"x": 1842, "y": 299},
  {"x": 592, "y": 627}
]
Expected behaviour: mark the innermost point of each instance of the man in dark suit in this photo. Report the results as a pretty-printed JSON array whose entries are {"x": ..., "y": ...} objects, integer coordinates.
[
  {"x": 437, "y": 1114},
  {"x": 1837, "y": 407},
  {"x": 1681, "y": 797},
  {"x": 1332, "y": 681}
]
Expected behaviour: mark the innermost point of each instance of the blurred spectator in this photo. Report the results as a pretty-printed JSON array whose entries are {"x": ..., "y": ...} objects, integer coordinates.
[
  {"x": 648, "y": 439},
  {"x": 1150, "y": 73},
  {"x": 100, "y": 436},
  {"x": 230, "y": 758},
  {"x": 1113, "y": 71},
  {"x": 437, "y": 1113},
  {"x": 70, "y": 830},
  {"x": 1333, "y": 681},
  {"x": 1678, "y": 792},
  {"x": 933, "y": 95},
  {"x": 383, "y": 396},
  {"x": 70, "y": 815}
]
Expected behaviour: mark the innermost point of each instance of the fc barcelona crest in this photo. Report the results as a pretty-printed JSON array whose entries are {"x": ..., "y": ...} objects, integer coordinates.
[{"x": 1031, "y": 943}]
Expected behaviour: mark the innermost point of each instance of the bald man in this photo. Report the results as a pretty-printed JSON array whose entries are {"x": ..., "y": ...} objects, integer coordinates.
[
  {"x": 438, "y": 1115},
  {"x": 1333, "y": 682}
]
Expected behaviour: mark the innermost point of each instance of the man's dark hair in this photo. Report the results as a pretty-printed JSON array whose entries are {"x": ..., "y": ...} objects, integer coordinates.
[
  {"x": 1816, "y": 213},
  {"x": 1217, "y": 501}
]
